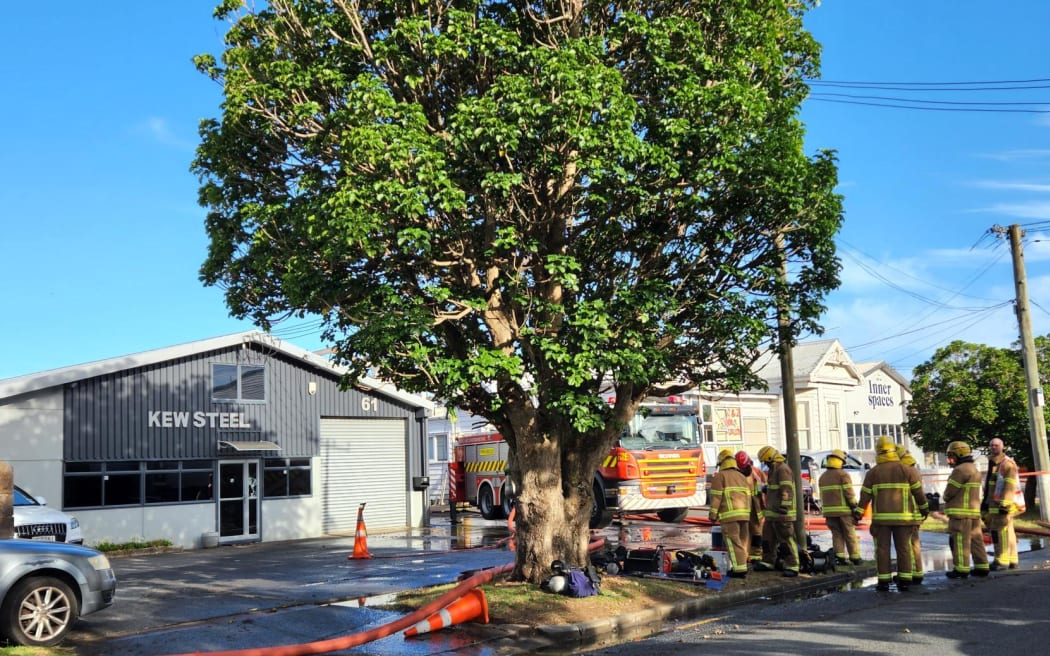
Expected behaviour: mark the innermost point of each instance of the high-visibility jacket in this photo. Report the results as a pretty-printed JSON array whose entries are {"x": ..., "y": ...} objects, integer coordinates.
[
  {"x": 730, "y": 496},
  {"x": 891, "y": 487},
  {"x": 1001, "y": 482},
  {"x": 780, "y": 493},
  {"x": 962, "y": 493},
  {"x": 837, "y": 498}
]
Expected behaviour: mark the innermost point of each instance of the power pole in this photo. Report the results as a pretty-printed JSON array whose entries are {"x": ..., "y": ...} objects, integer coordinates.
[
  {"x": 1036, "y": 420},
  {"x": 785, "y": 346}
]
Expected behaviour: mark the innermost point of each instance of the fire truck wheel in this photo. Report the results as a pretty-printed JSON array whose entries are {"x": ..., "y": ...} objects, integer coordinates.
[
  {"x": 601, "y": 516},
  {"x": 487, "y": 505},
  {"x": 672, "y": 515},
  {"x": 506, "y": 501}
]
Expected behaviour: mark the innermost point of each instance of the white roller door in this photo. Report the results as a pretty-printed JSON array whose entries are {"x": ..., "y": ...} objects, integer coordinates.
[{"x": 364, "y": 461}]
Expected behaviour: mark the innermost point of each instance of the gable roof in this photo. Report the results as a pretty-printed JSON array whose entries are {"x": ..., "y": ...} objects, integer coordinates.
[
  {"x": 812, "y": 361},
  {"x": 56, "y": 377},
  {"x": 868, "y": 368}
]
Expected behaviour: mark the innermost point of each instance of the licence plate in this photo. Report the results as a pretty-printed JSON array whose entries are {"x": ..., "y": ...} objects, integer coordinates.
[{"x": 44, "y": 538}]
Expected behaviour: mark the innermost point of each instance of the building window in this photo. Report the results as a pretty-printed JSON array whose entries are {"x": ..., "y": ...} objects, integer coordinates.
[
  {"x": 802, "y": 419},
  {"x": 707, "y": 422},
  {"x": 238, "y": 382},
  {"x": 102, "y": 484},
  {"x": 439, "y": 447},
  {"x": 286, "y": 477},
  {"x": 173, "y": 481},
  {"x": 134, "y": 483},
  {"x": 834, "y": 430}
]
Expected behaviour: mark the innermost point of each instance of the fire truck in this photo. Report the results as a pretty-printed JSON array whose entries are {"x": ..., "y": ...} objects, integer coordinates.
[{"x": 657, "y": 465}]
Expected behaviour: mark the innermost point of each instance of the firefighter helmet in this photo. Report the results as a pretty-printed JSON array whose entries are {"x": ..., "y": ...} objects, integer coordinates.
[
  {"x": 836, "y": 459},
  {"x": 905, "y": 455},
  {"x": 767, "y": 454},
  {"x": 743, "y": 461},
  {"x": 885, "y": 444},
  {"x": 726, "y": 454},
  {"x": 958, "y": 449}
]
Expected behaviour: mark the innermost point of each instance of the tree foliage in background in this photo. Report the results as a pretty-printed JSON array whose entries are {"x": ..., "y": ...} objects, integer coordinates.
[
  {"x": 506, "y": 203},
  {"x": 974, "y": 393}
]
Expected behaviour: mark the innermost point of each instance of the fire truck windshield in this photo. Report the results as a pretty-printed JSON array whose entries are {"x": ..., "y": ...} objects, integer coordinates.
[{"x": 658, "y": 431}]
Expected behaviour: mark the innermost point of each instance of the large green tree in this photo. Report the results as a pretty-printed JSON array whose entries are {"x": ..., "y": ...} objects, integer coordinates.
[
  {"x": 508, "y": 202},
  {"x": 973, "y": 393}
]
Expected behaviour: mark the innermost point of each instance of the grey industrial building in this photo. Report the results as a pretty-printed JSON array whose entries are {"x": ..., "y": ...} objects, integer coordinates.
[{"x": 238, "y": 438}]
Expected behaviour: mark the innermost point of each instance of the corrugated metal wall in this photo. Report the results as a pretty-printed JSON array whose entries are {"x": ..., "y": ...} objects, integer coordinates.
[{"x": 107, "y": 418}]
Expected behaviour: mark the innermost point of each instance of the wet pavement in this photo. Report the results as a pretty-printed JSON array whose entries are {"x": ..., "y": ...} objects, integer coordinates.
[{"x": 304, "y": 591}]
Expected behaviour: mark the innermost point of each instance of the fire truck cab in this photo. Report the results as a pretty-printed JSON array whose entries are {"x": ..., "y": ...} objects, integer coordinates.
[{"x": 657, "y": 465}]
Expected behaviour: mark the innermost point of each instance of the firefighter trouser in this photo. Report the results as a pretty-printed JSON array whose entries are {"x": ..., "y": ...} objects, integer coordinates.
[
  {"x": 900, "y": 534},
  {"x": 844, "y": 538},
  {"x": 755, "y": 529},
  {"x": 966, "y": 539},
  {"x": 774, "y": 534},
  {"x": 916, "y": 554},
  {"x": 737, "y": 535},
  {"x": 1001, "y": 526}
]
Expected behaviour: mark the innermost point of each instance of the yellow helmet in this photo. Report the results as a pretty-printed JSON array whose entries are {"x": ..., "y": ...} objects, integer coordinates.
[
  {"x": 836, "y": 459},
  {"x": 959, "y": 449},
  {"x": 727, "y": 459},
  {"x": 885, "y": 444},
  {"x": 905, "y": 455},
  {"x": 767, "y": 454}
]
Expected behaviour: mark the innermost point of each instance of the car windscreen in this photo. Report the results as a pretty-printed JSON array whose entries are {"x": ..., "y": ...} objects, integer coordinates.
[
  {"x": 23, "y": 499},
  {"x": 661, "y": 432}
]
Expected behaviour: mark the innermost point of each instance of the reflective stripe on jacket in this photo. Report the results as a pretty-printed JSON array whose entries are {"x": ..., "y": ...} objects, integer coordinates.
[
  {"x": 891, "y": 487},
  {"x": 837, "y": 497},
  {"x": 780, "y": 493},
  {"x": 962, "y": 494},
  {"x": 1006, "y": 469},
  {"x": 730, "y": 496}
]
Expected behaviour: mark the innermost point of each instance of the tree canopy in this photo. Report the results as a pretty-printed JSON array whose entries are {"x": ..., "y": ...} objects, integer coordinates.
[
  {"x": 506, "y": 203},
  {"x": 973, "y": 393}
]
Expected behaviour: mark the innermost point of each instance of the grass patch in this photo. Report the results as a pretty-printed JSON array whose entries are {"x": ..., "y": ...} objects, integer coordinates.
[
  {"x": 525, "y": 603},
  {"x": 105, "y": 547}
]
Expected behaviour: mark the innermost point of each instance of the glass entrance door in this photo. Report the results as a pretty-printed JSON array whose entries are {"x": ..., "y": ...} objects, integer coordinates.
[{"x": 238, "y": 500}]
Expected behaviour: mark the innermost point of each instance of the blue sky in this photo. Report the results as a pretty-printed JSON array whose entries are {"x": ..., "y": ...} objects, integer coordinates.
[{"x": 101, "y": 237}]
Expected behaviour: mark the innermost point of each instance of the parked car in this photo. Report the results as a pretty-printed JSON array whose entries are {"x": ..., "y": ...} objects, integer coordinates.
[
  {"x": 815, "y": 463},
  {"x": 34, "y": 520},
  {"x": 46, "y": 586}
]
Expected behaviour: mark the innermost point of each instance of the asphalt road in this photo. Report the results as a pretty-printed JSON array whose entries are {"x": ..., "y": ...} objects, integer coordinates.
[{"x": 1003, "y": 614}]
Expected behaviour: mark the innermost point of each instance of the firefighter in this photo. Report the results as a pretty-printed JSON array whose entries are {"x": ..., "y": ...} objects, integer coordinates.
[
  {"x": 887, "y": 487},
  {"x": 757, "y": 478},
  {"x": 730, "y": 506},
  {"x": 838, "y": 500},
  {"x": 778, "y": 530},
  {"x": 908, "y": 460},
  {"x": 998, "y": 507},
  {"x": 962, "y": 504}
]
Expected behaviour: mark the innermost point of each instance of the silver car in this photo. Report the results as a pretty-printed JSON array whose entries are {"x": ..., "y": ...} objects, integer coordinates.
[{"x": 46, "y": 586}]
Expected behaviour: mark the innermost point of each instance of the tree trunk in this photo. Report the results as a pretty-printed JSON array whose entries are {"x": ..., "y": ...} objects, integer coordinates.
[{"x": 553, "y": 506}]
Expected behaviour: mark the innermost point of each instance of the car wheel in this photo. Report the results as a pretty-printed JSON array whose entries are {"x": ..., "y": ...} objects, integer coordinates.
[
  {"x": 487, "y": 505},
  {"x": 38, "y": 612}
]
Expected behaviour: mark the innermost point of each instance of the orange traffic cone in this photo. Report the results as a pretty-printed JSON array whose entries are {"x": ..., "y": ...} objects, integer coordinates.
[
  {"x": 360, "y": 537},
  {"x": 464, "y": 609}
]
